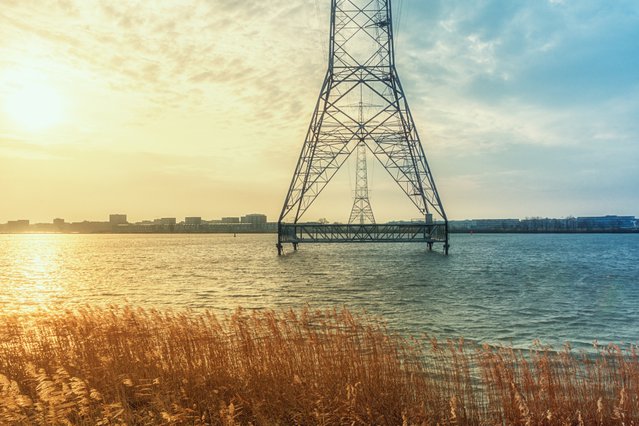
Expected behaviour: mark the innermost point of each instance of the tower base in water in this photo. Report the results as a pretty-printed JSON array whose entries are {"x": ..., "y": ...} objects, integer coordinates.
[{"x": 368, "y": 233}]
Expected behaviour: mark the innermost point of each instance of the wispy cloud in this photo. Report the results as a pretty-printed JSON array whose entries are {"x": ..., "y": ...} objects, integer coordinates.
[
  {"x": 175, "y": 52},
  {"x": 537, "y": 100}
]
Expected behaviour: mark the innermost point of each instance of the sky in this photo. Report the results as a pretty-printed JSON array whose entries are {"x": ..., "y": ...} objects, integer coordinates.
[{"x": 199, "y": 108}]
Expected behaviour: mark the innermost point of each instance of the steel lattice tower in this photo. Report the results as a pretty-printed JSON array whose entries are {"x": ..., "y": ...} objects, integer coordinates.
[
  {"x": 361, "y": 212},
  {"x": 361, "y": 66}
]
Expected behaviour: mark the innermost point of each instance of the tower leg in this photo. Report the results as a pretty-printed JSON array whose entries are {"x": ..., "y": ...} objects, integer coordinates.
[
  {"x": 295, "y": 246},
  {"x": 280, "y": 249}
]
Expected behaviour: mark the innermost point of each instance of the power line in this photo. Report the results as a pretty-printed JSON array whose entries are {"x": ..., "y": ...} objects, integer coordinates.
[
  {"x": 318, "y": 22},
  {"x": 398, "y": 12}
]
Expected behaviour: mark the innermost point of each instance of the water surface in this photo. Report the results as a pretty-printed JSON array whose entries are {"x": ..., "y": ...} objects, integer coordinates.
[{"x": 492, "y": 288}]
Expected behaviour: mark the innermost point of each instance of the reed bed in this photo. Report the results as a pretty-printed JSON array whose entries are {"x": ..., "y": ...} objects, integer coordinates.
[{"x": 115, "y": 366}]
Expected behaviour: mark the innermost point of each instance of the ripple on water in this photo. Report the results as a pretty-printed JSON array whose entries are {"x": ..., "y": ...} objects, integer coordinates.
[{"x": 492, "y": 288}]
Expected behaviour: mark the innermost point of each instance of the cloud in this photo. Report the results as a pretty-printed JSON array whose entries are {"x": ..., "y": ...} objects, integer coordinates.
[
  {"x": 543, "y": 93},
  {"x": 173, "y": 51}
]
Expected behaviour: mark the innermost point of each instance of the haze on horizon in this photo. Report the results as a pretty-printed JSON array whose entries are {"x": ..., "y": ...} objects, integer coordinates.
[{"x": 200, "y": 108}]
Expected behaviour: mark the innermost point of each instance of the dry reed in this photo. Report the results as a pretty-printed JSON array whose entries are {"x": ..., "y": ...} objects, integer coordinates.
[{"x": 132, "y": 366}]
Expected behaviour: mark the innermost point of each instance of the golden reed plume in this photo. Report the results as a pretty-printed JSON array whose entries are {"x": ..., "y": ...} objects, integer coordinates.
[{"x": 116, "y": 366}]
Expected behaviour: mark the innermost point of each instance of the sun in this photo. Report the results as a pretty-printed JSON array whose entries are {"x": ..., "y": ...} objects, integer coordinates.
[{"x": 34, "y": 105}]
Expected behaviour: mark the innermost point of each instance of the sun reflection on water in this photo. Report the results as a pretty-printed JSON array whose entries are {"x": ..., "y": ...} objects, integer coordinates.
[{"x": 33, "y": 283}]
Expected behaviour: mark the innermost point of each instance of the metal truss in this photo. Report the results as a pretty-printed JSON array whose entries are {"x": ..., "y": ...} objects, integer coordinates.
[
  {"x": 362, "y": 103},
  {"x": 378, "y": 233},
  {"x": 361, "y": 212}
]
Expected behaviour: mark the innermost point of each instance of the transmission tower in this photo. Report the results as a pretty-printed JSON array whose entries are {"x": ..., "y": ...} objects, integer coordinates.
[
  {"x": 361, "y": 212},
  {"x": 361, "y": 65}
]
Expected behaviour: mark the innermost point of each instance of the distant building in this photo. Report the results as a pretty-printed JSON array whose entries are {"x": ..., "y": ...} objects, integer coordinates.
[
  {"x": 230, "y": 220},
  {"x": 605, "y": 223},
  {"x": 461, "y": 225},
  {"x": 117, "y": 219},
  {"x": 87, "y": 227},
  {"x": 609, "y": 223},
  {"x": 58, "y": 225},
  {"x": 254, "y": 219},
  {"x": 144, "y": 222},
  {"x": 492, "y": 224},
  {"x": 18, "y": 225},
  {"x": 166, "y": 221},
  {"x": 195, "y": 220}
]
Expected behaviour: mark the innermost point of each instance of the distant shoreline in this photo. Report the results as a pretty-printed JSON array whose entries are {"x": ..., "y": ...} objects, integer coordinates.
[
  {"x": 256, "y": 223},
  {"x": 623, "y": 231}
]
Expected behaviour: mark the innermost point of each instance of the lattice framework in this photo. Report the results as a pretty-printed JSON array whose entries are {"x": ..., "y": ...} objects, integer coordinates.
[{"x": 361, "y": 71}]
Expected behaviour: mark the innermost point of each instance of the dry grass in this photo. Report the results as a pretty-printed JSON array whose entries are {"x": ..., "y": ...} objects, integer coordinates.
[{"x": 134, "y": 366}]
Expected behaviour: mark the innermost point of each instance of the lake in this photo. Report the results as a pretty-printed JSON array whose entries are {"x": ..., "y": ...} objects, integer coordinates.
[{"x": 500, "y": 288}]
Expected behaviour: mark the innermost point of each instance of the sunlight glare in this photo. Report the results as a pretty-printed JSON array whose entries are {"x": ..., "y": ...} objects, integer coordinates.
[
  {"x": 36, "y": 286},
  {"x": 33, "y": 104}
]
